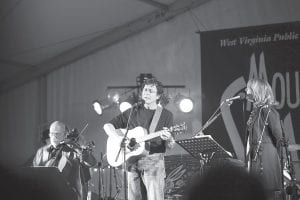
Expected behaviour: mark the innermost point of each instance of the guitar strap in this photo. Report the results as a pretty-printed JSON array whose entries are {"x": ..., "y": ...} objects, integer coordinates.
[{"x": 155, "y": 119}]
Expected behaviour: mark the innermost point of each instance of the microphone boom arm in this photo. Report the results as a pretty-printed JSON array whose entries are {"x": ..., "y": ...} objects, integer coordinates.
[{"x": 212, "y": 118}]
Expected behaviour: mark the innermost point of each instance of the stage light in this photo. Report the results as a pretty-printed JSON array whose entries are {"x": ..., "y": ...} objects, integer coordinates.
[
  {"x": 184, "y": 104},
  {"x": 124, "y": 106},
  {"x": 99, "y": 107},
  {"x": 113, "y": 96},
  {"x": 128, "y": 102}
]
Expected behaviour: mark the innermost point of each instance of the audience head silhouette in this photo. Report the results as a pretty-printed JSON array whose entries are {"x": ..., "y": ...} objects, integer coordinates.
[{"x": 226, "y": 182}]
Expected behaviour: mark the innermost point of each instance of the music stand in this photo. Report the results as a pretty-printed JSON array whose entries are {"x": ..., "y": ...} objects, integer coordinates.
[{"x": 204, "y": 147}]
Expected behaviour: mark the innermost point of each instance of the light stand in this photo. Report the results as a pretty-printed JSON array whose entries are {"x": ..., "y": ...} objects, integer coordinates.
[
  {"x": 100, "y": 181},
  {"x": 118, "y": 189}
]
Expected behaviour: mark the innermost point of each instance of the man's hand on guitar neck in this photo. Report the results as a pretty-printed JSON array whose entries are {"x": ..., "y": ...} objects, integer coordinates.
[{"x": 166, "y": 135}]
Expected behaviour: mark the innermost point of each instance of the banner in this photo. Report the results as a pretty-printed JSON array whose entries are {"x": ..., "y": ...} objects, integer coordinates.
[{"x": 230, "y": 57}]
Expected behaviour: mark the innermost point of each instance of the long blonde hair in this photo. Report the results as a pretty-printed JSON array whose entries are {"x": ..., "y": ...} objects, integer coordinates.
[{"x": 261, "y": 91}]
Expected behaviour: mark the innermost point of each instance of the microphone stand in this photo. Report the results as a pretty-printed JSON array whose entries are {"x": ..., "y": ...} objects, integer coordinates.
[
  {"x": 205, "y": 158},
  {"x": 123, "y": 147},
  {"x": 212, "y": 118},
  {"x": 257, "y": 149},
  {"x": 283, "y": 145},
  {"x": 110, "y": 183},
  {"x": 246, "y": 135}
]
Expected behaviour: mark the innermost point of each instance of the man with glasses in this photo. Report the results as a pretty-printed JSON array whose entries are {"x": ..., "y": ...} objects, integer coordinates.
[{"x": 69, "y": 161}]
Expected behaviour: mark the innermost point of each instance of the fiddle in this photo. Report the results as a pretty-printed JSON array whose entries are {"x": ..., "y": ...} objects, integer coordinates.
[
  {"x": 84, "y": 152},
  {"x": 72, "y": 141},
  {"x": 63, "y": 156}
]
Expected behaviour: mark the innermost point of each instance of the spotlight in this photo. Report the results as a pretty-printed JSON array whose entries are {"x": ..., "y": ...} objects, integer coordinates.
[
  {"x": 98, "y": 107},
  {"x": 113, "y": 96},
  {"x": 126, "y": 104},
  {"x": 185, "y": 104}
]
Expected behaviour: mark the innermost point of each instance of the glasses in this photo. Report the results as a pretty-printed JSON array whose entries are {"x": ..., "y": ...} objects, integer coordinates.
[{"x": 57, "y": 133}]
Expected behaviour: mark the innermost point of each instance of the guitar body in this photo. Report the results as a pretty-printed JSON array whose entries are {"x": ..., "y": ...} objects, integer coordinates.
[{"x": 114, "y": 144}]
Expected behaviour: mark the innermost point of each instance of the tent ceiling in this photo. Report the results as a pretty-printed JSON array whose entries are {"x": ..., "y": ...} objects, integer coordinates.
[{"x": 35, "y": 32}]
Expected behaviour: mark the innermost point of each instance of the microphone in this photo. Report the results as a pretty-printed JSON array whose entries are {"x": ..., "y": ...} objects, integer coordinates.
[
  {"x": 240, "y": 96},
  {"x": 137, "y": 104},
  {"x": 272, "y": 104}
]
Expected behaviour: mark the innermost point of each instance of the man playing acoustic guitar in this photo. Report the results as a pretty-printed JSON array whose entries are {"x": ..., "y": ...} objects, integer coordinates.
[{"x": 146, "y": 175}]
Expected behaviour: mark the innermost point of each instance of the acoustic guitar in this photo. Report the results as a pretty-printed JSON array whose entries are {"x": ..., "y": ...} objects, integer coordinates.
[{"x": 134, "y": 144}]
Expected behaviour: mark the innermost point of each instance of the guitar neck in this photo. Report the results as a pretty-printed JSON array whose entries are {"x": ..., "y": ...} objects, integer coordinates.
[{"x": 149, "y": 137}]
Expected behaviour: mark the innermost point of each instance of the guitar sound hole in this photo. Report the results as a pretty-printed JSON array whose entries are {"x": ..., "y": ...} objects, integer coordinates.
[{"x": 132, "y": 144}]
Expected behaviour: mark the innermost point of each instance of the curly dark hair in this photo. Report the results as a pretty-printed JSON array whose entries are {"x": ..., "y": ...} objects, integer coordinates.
[{"x": 154, "y": 81}]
